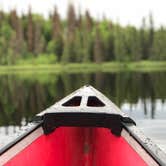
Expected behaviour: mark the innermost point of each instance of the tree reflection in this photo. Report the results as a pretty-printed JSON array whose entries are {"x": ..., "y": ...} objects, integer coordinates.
[{"x": 23, "y": 96}]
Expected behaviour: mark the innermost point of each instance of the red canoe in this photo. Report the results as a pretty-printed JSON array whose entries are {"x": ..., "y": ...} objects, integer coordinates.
[{"x": 83, "y": 129}]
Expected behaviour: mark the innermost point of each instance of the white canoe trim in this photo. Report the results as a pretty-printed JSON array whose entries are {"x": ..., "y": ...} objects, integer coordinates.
[
  {"x": 18, "y": 147},
  {"x": 138, "y": 148},
  {"x": 146, "y": 143},
  {"x": 84, "y": 92}
]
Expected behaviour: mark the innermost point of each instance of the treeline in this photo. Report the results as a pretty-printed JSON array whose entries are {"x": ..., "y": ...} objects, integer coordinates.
[{"x": 78, "y": 38}]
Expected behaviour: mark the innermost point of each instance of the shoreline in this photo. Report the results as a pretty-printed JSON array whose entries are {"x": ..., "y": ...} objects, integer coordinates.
[{"x": 141, "y": 66}]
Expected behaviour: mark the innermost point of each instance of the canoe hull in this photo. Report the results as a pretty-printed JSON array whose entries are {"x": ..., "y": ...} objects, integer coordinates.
[{"x": 73, "y": 146}]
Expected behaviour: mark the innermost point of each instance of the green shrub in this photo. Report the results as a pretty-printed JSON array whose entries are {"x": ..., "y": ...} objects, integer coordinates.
[{"x": 40, "y": 59}]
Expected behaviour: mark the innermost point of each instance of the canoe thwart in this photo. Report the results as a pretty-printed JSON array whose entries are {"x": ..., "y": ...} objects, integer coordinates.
[{"x": 110, "y": 121}]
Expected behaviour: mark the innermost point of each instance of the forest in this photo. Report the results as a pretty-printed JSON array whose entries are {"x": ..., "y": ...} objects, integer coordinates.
[{"x": 78, "y": 39}]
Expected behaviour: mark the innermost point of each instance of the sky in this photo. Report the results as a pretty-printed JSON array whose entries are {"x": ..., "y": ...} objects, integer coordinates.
[{"x": 123, "y": 11}]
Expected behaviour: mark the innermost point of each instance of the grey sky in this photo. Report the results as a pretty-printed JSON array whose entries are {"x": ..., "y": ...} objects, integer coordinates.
[{"x": 128, "y": 11}]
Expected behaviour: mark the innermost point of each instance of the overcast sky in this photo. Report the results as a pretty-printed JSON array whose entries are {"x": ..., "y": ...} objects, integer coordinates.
[{"x": 125, "y": 11}]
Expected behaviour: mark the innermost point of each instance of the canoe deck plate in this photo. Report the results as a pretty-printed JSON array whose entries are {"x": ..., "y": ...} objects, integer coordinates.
[{"x": 85, "y": 107}]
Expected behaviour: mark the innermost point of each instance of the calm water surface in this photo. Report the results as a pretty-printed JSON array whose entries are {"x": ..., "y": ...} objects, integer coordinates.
[{"x": 141, "y": 95}]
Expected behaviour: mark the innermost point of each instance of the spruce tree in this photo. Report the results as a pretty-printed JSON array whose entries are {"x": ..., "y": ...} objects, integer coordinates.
[
  {"x": 57, "y": 36},
  {"x": 98, "y": 47},
  {"x": 30, "y": 32},
  {"x": 69, "y": 53}
]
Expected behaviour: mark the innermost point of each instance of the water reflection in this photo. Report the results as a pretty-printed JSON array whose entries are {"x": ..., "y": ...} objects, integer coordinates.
[{"x": 22, "y": 96}]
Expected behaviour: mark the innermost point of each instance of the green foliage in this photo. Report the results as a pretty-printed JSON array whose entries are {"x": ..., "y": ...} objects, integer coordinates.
[
  {"x": 47, "y": 30},
  {"x": 159, "y": 45},
  {"x": 40, "y": 59},
  {"x": 55, "y": 47},
  {"x": 6, "y": 31},
  {"x": 77, "y": 39},
  {"x": 120, "y": 44}
]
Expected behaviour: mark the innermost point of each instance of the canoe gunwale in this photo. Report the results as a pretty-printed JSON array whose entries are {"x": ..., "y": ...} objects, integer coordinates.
[
  {"x": 147, "y": 144},
  {"x": 19, "y": 138}
]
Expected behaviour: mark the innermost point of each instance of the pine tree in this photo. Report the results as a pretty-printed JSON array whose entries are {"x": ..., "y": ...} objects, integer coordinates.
[
  {"x": 88, "y": 38},
  {"x": 80, "y": 22},
  {"x": 57, "y": 37},
  {"x": 13, "y": 19},
  {"x": 98, "y": 47},
  {"x": 132, "y": 44},
  {"x": 71, "y": 20},
  {"x": 144, "y": 40},
  {"x": 159, "y": 49},
  {"x": 151, "y": 35},
  {"x": 38, "y": 38},
  {"x": 56, "y": 24},
  {"x": 30, "y": 32},
  {"x": 78, "y": 44},
  {"x": 89, "y": 21},
  {"x": 69, "y": 53},
  {"x": 107, "y": 39},
  {"x": 110, "y": 44},
  {"x": 1, "y": 15},
  {"x": 120, "y": 48},
  {"x": 17, "y": 41}
]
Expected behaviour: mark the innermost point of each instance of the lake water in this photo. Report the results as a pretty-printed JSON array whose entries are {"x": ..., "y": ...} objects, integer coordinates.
[{"x": 141, "y": 95}]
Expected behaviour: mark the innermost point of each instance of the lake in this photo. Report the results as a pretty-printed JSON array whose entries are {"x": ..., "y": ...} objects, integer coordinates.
[{"x": 141, "y": 95}]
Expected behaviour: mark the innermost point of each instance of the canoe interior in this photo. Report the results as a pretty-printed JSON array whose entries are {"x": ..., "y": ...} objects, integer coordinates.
[{"x": 75, "y": 146}]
